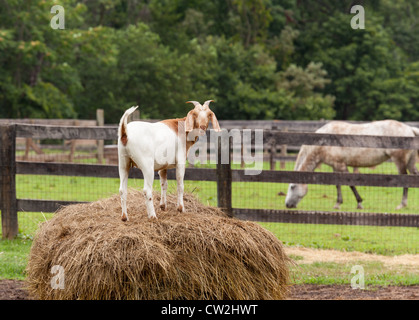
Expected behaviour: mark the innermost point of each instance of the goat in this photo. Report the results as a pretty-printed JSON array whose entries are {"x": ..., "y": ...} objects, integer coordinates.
[
  {"x": 157, "y": 147},
  {"x": 339, "y": 158}
]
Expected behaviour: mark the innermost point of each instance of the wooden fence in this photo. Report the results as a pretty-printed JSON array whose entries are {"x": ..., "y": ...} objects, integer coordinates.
[
  {"x": 28, "y": 143},
  {"x": 223, "y": 175}
]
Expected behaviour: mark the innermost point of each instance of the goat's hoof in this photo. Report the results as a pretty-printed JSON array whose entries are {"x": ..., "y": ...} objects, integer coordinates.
[
  {"x": 400, "y": 206},
  {"x": 180, "y": 208},
  {"x": 163, "y": 207},
  {"x": 360, "y": 206},
  {"x": 336, "y": 206},
  {"x": 124, "y": 218},
  {"x": 152, "y": 217}
]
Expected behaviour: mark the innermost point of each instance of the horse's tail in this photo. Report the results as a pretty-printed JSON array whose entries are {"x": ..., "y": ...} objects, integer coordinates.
[{"x": 415, "y": 131}]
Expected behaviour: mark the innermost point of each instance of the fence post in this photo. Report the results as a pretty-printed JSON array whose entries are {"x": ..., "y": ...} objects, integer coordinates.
[
  {"x": 100, "y": 117},
  {"x": 8, "y": 205},
  {"x": 272, "y": 154},
  {"x": 272, "y": 149},
  {"x": 224, "y": 178},
  {"x": 283, "y": 152}
]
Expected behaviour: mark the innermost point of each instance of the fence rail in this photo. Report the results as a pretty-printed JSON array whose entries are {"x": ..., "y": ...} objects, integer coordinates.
[
  {"x": 223, "y": 175},
  {"x": 319, "y": 217}
]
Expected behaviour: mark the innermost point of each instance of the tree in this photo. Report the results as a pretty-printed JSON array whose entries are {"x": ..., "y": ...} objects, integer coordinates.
[
  {"x": 30, "y": 49},
  {"x": 303, "y": 83},
  {"x": 361, "y": 64}
]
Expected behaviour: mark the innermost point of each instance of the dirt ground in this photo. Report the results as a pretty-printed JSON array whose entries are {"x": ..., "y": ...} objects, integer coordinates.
[
  {"x": 308, "y": 255},
  {"x": 345, "y": 292},
  {"x": 14, "y": 290}
]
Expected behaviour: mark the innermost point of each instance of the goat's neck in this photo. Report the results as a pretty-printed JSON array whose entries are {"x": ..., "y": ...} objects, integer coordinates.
[
  {"x": 189, "y": 144},
  {"x": 308, "y": 159},
  {"x": 178, "y": 125}
]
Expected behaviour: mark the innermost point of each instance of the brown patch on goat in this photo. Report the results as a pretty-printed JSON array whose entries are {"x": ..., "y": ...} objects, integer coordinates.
[
  {"x": 124, "y": 138},
  {"x": 173, "y": 124}
]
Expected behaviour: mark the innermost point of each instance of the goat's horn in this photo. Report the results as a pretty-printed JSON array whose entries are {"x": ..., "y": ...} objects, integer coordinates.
[
  {"x": 206, "y": 103},
  {"x": 195, "y": 103}
]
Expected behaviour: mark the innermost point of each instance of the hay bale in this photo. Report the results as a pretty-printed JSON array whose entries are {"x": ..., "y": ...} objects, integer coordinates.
[{"x": 200, "y": 254}]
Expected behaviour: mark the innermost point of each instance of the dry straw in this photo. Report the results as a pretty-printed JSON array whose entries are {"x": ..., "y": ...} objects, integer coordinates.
[{"x": 200, "y": 254}]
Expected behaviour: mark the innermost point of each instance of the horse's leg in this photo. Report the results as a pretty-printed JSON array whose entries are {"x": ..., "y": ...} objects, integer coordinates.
[
  {"x": 355, "y": 192},
  {"x": 401, "y": 166},
  {"x": 339, "y": 168},
  {"x": 344, "y": 168},
  {"x": 404, "y": 199},
  {"x": 358, "y": 197},
  {"x": 339, "y": 198}
]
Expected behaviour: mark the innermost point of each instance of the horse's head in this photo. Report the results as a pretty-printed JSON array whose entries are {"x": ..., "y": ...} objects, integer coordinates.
[{"x": 295, "y": 193}]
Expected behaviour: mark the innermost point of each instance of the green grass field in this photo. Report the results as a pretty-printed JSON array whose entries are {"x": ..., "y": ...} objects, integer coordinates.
[{"x": 377, "y": 240}]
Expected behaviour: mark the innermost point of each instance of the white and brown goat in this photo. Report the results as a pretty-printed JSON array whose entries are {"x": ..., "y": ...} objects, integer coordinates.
[{"x": 157, "y": 147}]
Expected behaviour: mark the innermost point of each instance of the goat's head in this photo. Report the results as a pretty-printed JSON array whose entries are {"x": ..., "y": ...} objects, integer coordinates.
[{"x": 199, "y": 118}]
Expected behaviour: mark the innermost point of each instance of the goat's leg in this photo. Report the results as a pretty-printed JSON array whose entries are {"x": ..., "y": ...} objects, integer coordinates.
[
  {"x": 163, "y": 185},
  {"x": 123, "y": 166},
  {"x": 148, "y": 174},
  {"x": 180, "y": 173}
]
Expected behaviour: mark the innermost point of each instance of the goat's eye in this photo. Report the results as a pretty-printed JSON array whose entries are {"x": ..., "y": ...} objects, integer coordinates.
[{"x": 293, "y": 187}]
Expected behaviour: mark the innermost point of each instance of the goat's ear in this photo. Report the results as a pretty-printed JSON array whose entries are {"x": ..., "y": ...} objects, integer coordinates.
[
  {"x": 215, "y": 123},
  {"x": 190, "y": 121}
]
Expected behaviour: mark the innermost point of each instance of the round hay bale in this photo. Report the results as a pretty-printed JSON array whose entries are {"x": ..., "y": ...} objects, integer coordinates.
[{"x": 199, "y": 254}]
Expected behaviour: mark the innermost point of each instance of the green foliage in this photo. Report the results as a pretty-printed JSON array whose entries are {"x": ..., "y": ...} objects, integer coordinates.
[{"x": 258, "y": 59}]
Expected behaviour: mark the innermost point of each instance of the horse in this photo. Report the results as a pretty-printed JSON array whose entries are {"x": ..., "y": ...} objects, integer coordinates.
[{"x": 340, "y": 158}]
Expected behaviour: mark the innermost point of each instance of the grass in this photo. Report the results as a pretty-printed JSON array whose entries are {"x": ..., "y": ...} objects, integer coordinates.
[
  {"x": 368, "y": 239},
  {"x": 378, "y": 240},
  {"x": 14, "y": 257}
]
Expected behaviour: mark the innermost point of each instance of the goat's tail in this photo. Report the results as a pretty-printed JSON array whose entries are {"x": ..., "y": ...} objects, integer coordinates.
[{"x": 122, "y": 130}]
